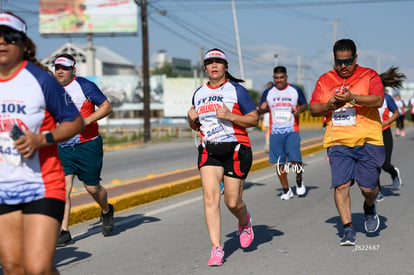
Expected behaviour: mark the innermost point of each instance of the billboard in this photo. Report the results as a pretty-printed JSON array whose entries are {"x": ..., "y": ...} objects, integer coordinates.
[
  {"x": 178, "y": 93},
  {"x": 124, "y": 89},
  {"x": 88, "y": 16}
]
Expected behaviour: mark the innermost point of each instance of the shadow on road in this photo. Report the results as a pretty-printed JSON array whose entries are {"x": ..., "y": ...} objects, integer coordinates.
[
  {"x": 262, "y": 234},
  {"x": 358, "y": 220},
  {"x": 69, "y": 254}
]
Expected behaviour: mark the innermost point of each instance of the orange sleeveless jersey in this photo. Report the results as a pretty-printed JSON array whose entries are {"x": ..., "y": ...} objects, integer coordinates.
[{"x": 367, "y": 128}]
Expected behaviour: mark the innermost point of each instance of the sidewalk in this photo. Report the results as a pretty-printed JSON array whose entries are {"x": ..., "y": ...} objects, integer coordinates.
[{"x": 148, "y": 189}]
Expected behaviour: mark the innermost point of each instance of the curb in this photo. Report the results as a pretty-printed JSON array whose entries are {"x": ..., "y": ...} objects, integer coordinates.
[{"x": 91, "y": 210}]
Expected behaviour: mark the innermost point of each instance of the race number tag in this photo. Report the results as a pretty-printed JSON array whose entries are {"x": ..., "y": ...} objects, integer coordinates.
[
  {"x": 8, "y": 153},
  {"x": 344, "y": 116},
  {"x": 213, "y": 131},
  {"x": 282, "y": 115}
]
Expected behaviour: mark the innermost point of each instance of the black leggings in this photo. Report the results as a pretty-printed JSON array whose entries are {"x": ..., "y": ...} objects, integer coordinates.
[
  {"x": 400, "y": 122},
  {"x": 388, "y": 145}
]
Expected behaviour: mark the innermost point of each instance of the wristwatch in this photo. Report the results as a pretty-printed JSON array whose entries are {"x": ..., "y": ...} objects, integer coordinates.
[
  {"x": 354, "y": 100},
  {"x": 49, "y": 137}
]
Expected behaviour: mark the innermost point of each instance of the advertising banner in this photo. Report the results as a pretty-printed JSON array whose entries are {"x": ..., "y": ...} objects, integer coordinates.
[{"x": 88, "y": 16}]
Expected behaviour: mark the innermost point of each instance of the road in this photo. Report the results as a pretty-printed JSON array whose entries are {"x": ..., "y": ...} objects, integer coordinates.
[
  {"x": 299, "y": 236},
  {"x": 120, "y": 166}
]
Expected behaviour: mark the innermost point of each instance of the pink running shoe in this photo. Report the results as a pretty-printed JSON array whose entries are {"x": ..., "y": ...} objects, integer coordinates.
[
  {"x": 217, "y": 255},
  {"x": 246, "y": 233}
]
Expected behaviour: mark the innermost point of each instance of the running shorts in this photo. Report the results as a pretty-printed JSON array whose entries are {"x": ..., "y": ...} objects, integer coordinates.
[
  {"x": 235, "y": 158},
  {"x": 84, "y": 160},
  {"x": 48, "y": 206},
  {"x": 284, "y": 147},
  {"x": 360, "y": 163}
]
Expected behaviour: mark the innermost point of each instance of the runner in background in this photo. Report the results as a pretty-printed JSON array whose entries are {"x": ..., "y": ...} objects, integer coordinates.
[
  {"x": 389, "y": 113},
  {"x": 285, "y": 102},
  {"x": 266, "y": 116},
  {"x": 82, "y": 155},
  {"x": 400, "y": 120}
]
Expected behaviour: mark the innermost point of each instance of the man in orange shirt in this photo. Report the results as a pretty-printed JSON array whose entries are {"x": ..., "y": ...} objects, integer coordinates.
[{"x": 349, "y": 97}]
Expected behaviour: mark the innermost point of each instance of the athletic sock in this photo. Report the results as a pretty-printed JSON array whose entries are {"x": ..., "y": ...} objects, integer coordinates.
[
  {"x": 348, "y": 225},
  {"x": 285, "y": 190}
]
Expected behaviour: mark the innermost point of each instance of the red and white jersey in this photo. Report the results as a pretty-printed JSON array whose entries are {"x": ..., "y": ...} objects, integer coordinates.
[
  {"x": 387, "y": 109},
  {"x": 34, "y": 100},
  {"x": 401, "y": 106},
  {"x": 281, "y": 105},
  {"x": 207, "y": 100},
  {"x": 85, "y": 95},
  {"x": 411, "y": 104}
]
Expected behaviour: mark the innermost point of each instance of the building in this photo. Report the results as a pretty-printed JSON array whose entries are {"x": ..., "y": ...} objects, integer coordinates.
[{"x": 106, "y": 62}]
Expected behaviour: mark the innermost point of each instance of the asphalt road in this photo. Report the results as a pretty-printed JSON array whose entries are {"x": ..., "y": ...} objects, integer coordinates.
[
  {"x": 120, "y": 166},
  {"x": 299, "y": 236}
]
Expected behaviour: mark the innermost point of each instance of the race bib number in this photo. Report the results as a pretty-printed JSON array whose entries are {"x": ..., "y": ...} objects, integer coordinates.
[
  {"x": 213, "y": 131},
  {"x": 8, "y": 153},
  {"x": 282, "y": 115},
  {"x": 344, "y": 116}
]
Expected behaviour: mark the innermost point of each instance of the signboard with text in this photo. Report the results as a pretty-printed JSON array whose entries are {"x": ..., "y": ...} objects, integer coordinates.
[{"x": 88, "y": 16}]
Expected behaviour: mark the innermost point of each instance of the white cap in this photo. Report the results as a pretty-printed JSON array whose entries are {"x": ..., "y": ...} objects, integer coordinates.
[
  {"x": 215, "y": 54},
  {"x": 64, "y": 62},
  {"x": 13, "y": 22}
]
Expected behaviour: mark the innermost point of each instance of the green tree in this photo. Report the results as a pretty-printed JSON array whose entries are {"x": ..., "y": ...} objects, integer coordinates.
[{"x": 255, "y": 95}]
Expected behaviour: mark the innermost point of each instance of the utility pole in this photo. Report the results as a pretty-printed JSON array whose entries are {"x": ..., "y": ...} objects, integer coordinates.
[
  {"x": 335, "y": 29},
  {"x": 201, "y": 66},
  {"x": 145, "y": 69},
  {"x": 90, "y": 53},
  {"x": 236, "y": 29}
]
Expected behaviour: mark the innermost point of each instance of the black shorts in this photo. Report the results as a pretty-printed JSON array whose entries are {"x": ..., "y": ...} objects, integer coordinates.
[
  {"x": 50, "y": 207},
  {"x": 235, "y": 158}
]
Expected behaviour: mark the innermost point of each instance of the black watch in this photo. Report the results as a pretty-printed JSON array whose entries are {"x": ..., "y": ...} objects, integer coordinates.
[{"x": 49, "y": 137}]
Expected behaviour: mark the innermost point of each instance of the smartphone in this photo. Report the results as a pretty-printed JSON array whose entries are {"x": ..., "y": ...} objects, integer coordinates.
[{"x": 16, "y": 132}]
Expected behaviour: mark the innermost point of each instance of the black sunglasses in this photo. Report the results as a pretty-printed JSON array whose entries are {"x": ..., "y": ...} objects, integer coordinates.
[
  {"x": 212, "y": 60},
  {"x": 58, "y": 67},
  {"x": 11, "y": 37},
  {"x": 346, "y": 62}
]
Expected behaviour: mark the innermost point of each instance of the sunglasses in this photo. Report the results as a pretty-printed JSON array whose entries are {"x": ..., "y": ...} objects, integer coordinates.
[
  {"x": 58, "y": 67},
  {"x": 346, "y": 62},
  {"x": 11, "y": 37},
  {"x": 212, "y": 60}
]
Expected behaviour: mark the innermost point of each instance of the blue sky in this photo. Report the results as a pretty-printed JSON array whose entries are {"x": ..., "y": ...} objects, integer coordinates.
[{"x": 300, "y": 32}]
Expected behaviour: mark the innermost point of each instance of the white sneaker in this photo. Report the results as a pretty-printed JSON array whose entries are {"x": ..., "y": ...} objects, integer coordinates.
[
  {"x": 300, "y": 191},
  {"x": 286, "y": 196}
]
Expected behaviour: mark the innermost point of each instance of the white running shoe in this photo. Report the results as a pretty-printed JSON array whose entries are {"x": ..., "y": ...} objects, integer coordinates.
[
  {"x": 286, "y": 196},
  {"x": 300, "y": 191}
]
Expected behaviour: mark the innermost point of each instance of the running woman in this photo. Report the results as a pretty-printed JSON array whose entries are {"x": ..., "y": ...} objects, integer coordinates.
[
  {"x": 222, "y": 110},
  {"x": 32, "y": 182}
]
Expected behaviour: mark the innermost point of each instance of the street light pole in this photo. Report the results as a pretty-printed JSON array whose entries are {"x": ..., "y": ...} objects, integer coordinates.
[{"x": 145, "y": 69}]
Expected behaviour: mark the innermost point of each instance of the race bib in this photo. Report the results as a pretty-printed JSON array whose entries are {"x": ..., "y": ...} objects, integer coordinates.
[
  {"x": 8, "y": 153},
  {"x": 344, "y": 116},
  {"x": 212, "y": 131},
  {"x": 282, "y": 115}
]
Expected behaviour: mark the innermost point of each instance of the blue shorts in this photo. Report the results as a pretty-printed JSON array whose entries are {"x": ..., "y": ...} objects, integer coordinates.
[
  {"x": 83, "y": 160},
  {"x": 284, "y": 146},
  {"x": 362, "y": 163}
]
